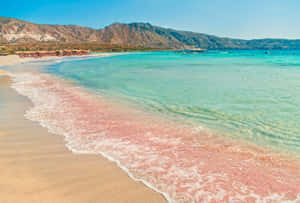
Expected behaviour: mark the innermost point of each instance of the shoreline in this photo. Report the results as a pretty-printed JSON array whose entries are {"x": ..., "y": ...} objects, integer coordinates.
[
  {"x": 11, "y": 60},
  {"x": 81, "y": 118},
  {"x": 45, "y": 172},
  {"x": 96, "y": 125}
]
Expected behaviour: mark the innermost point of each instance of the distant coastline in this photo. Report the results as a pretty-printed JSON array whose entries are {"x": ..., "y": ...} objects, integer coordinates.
[
  {"x": 122, "y": 37},
  {"x": 14, "y": 59}
]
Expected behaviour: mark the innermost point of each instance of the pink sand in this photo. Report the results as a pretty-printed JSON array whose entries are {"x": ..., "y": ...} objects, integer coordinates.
[{"x": 185, "y": 164}]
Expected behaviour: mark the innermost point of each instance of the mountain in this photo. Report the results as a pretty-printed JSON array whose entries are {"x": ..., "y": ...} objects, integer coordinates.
[
  {"x": 14, "y": 30},
  {"x": 145, "y": 34},
  {"x": 137, "y": 34}
]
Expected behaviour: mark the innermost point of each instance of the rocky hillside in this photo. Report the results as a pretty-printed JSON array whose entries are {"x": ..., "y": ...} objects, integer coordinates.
[
  {"x": 14, "y": 30},
  {"x": 135, "y": 34},
  {"x": 144, "y": 34}
]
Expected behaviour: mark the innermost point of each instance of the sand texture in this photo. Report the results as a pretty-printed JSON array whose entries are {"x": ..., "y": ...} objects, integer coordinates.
[{"x": 37, "y": 167}]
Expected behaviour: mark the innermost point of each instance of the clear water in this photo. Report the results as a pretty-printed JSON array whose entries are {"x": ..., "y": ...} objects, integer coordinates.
[
  {"x": 153, "y": 114},
  {"x": 247, "y": 95}
]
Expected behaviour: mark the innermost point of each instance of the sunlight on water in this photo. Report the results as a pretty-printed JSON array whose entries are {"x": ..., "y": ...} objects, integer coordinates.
[
  {"x": 249, "y": 95},
  {"x": 196, "y": 128}
]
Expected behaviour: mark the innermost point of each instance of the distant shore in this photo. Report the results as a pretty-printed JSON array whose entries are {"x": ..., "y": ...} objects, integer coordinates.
[
  {"x": 37, "y": 167},
  {"x": 14, "y": 59}
]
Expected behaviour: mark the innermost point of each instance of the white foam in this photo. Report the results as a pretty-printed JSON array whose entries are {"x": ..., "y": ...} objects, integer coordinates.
[
  {"x": 97, "y": 142},
  {"x": 33, "y": 114}
]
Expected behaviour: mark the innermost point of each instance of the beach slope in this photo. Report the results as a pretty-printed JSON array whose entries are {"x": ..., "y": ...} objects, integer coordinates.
[{"x": 37, "y": 167}]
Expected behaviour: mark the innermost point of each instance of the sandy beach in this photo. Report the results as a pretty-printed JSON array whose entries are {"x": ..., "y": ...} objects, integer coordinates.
[
  {"x": 14, "y": 59},
  {"x": 36, "y": 166}
]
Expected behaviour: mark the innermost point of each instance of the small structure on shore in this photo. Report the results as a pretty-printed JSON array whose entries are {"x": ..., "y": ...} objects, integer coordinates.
[
  {"x": 3, "y": 54},
  {"x": 65, "y": 52}
]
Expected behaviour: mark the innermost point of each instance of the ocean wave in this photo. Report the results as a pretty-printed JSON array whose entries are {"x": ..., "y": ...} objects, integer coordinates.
[{"x": 183, "y": 163}]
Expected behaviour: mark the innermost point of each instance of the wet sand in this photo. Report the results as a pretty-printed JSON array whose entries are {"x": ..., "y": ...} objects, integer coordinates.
[{"x": 37, "y": 167}]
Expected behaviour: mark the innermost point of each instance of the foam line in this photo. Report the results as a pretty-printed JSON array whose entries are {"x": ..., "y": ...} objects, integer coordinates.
[{"x": 181, "y": 163}]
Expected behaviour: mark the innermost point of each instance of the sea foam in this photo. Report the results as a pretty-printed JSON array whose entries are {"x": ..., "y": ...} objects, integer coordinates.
[{"x": 184, "y": 164}]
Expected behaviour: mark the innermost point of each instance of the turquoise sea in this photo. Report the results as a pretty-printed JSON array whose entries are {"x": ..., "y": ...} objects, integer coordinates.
[
  {"x": 219, "y": 126},
  {"x": 245, "y": 95}
]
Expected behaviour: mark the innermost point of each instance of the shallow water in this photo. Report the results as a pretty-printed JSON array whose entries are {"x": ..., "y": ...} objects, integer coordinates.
[
  {"x": 198, "y": 127},
  {"x": 248, "y": 94}
]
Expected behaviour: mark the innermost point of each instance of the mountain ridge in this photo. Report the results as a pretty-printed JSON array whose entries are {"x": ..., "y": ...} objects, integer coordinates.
[{"x": 13, "y": 30}]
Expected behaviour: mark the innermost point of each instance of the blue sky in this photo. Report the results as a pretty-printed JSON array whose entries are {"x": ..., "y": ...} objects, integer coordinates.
[{"x": 228, "y": 18}]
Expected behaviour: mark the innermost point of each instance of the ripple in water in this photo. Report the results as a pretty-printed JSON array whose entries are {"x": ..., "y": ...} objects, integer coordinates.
[{"x": 184, "y": 163}]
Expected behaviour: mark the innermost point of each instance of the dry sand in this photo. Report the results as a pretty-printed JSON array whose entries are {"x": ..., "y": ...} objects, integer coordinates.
[
  {"x": 9, "y": 60},
  {"x": 14, "y": 59},
  {"x": 35, "y": 166}
]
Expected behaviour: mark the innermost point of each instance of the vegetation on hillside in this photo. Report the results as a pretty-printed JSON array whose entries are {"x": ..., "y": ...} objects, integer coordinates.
[
  {"x": 121, "y": 37},
  {"x": 11, "y": 48}
]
